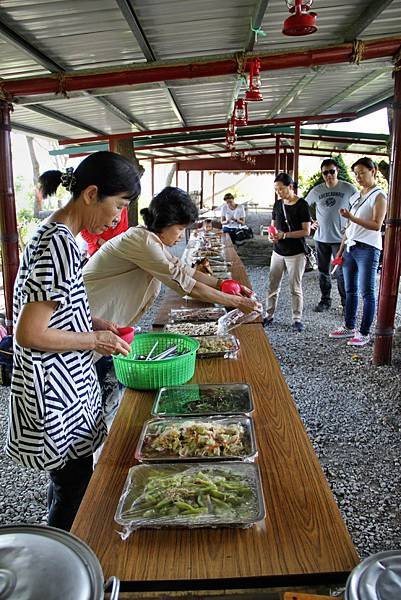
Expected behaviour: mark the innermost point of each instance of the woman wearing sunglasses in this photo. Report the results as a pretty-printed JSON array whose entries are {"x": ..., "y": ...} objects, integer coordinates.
[{"x": 362, "y": 242}]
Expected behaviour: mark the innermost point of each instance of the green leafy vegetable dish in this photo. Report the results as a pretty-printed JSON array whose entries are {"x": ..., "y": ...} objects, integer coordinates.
[{"x": 195, "y": 495}]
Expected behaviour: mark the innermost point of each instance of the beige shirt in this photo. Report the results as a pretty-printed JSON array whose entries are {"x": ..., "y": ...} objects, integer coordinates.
[{"x": 123, "y": 277}]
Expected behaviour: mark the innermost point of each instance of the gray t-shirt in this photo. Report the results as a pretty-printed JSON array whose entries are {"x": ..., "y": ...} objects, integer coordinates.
[{"x": 328, "y": 203}]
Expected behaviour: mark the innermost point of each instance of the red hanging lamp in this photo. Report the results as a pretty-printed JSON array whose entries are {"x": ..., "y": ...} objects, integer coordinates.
[
  {"x": 301, "y": 21},
  {"x": 253, "y": 93},
  {"x": 240, "y": 113},
  {"x": 231, "y": 135}
]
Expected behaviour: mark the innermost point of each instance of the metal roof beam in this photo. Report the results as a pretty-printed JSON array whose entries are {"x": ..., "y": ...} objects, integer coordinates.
[
  {"x": 118, "y": 111},
  {"x": 245, "y": 133},
  {"x": 190, "y": 69},
  {"x": 52, "y": 114},
  {"x": 348, "y": 91},
  {"x": 295, "y": 91},
  {"x": 374, "y": 101},
  {"x": 256, "y": 22},
  {"x": 48, "y": 64},
  {"x": 34, "y": 131},
  {"x": 365, "y": 18},
  {"x": 30, "y": 50},
  {"x": 136, "y": 28},
  {"x": 262, "y": 122},
  {"x": 377, "y": 106}
]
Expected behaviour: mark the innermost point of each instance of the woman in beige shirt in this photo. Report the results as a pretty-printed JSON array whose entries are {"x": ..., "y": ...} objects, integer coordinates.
[{"x": 124, "y": 277}]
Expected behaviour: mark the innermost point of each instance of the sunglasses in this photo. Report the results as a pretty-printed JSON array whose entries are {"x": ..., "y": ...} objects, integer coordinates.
[{"x": 329, "y": 172}]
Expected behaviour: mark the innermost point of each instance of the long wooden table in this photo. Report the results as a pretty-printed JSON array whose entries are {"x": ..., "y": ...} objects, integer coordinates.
[
  {"x": 172, "y": 300},
  {"x": 303, "y": 533}
]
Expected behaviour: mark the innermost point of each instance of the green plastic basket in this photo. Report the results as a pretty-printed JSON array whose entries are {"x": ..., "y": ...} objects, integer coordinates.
[{"x": 154, "y": 374}]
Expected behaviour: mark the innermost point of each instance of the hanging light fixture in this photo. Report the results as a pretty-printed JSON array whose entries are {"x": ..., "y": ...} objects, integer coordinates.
[
  {"x": 231, "y": 135},
  {"x": 300, "y": 21},
  {"x": 253, "y": 93},
  {"x": 240, "y": 113}
]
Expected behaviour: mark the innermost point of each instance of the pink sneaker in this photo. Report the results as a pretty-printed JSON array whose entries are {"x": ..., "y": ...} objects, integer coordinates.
[
  {"x": 342, "y": 332},
  {"x": 359, "y": 340}
]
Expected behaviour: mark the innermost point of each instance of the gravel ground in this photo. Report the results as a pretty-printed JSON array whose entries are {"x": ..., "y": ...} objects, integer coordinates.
[{"x": 351, "y": 411}]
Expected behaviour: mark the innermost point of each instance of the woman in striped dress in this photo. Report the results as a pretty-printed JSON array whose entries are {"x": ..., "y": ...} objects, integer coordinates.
[{"x": 55, "y": 418}]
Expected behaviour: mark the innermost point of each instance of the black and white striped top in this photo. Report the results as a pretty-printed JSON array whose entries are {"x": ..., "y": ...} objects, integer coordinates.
[{"x": 55, "y": 405}]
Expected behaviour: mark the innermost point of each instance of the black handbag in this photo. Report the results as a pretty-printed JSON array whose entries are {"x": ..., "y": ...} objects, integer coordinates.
[{"x": 311, "y": 257}]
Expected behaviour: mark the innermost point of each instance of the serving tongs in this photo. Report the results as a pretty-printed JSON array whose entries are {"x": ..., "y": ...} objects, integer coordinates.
[{"x": 172, "y": 351}]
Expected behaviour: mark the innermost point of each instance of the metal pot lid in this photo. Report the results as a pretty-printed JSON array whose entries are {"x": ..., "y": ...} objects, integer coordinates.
[
  {"x": 38, "y": 562},
  {"x": 378, "y": 577}
]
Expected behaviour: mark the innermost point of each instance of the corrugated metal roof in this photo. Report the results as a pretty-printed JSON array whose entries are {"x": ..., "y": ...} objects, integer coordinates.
[{"x": 51, "y": 36}]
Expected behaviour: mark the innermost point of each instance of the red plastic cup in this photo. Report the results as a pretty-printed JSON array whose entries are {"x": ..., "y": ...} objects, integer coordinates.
[
  {"x": 126, "y": 333},
  {"x": 272, "y": 230},
  {"x": 231, "y": 286}
]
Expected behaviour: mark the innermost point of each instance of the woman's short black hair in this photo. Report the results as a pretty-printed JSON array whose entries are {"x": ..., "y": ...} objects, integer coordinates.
[
  {"x": 284, "y": 178},
  {"x": 365, "y": 162},
  {"x": 172, "y": 206},
  {"x": 110, "y": 172}
]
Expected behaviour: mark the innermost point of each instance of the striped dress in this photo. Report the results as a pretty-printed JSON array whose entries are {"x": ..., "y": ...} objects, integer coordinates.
[{"x": 55, "y": 407}]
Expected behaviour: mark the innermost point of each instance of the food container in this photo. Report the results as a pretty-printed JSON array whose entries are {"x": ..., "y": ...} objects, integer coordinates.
[
  {"x": 192, "y": 329},
  {"x": 39, "y": 562},
  {"x": 215, "y": 346},
  {"x": 203, "y": 399},
  {"x": 378, "y": 577},
  {"x": 153, "y": 374},
  {"x": 191, "y": 495},
  {"x": 194, "y": 439},
  {"x": 218, "y": 268},
  {"x": 179, "y": 315}
]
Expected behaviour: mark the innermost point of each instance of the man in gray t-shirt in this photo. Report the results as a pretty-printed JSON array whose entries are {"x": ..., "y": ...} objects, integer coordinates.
[{"x": 329, "y": 197}]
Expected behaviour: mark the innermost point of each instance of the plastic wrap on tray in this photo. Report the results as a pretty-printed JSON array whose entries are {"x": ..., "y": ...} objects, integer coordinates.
[
  {"x": 197, "y": 438},
  {"x": 191, "y": 495},
  {"x": 213, "y": 313},
  {"x": 203, "y": 399},
  {"x": 215, "y": 346},
  {"x": 234, "y": 318},
  {"x": 192, "y": 329}
]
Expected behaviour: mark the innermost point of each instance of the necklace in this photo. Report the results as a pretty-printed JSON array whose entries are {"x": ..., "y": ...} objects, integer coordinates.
[{"x": 367, "y": 190}]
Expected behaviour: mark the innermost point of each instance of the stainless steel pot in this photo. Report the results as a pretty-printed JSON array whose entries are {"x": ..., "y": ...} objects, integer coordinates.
[
  {"x": 39, "y": 562},
  {"x": 378, "y": 577}
]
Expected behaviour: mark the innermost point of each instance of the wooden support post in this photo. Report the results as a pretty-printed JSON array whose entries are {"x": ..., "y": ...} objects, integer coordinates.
[
  {"x": 8, "y": 217},
  {"x": 201, "y": 190},
  {"x": 391, "y": 270},
  {"x": 187, "y": 182},
  {"x": 297, "y": 139},
  {"x": 277, "y": 156}
]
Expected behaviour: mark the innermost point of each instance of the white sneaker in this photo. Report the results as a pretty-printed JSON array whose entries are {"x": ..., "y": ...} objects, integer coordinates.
[
  {"x": 342, "y": 332},
  {"x": 359, "y": 340}
]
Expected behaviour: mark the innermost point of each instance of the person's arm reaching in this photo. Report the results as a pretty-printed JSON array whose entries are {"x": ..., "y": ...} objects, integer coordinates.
[{"x": 33, "y": 331}]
